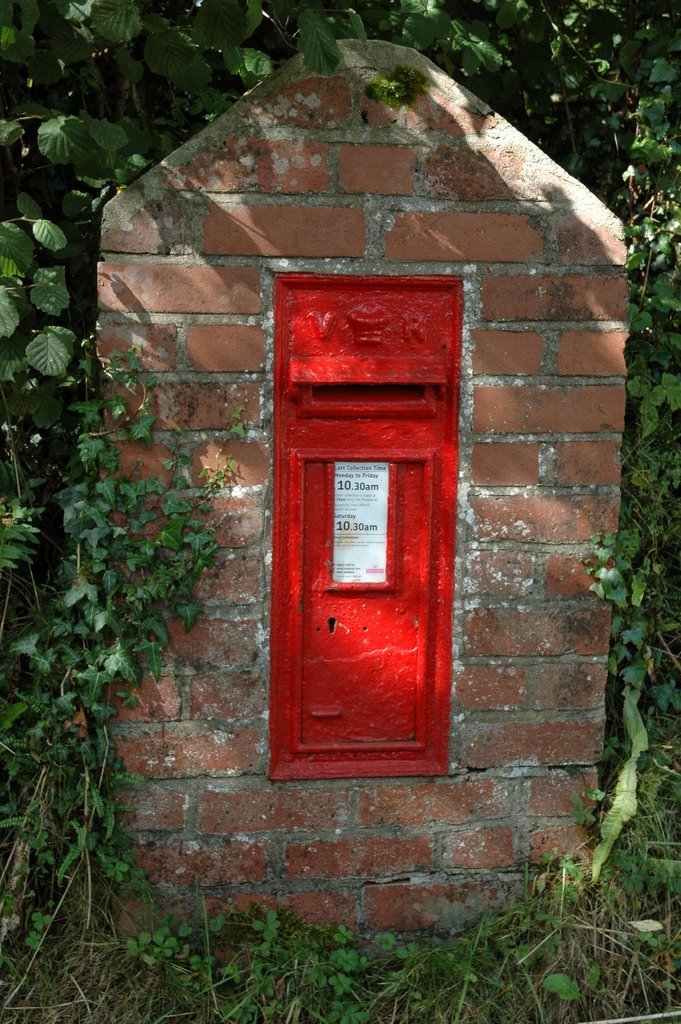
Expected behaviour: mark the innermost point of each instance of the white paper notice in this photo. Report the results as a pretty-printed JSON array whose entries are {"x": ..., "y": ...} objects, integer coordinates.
[{"x": 360, "y": 522}]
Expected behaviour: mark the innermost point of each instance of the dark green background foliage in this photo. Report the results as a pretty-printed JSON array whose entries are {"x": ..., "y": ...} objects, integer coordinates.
[{"x": 94, "y": 91}]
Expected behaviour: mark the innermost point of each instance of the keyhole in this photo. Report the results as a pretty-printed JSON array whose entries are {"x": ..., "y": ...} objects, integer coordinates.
[{"x": 332, "y": 625}]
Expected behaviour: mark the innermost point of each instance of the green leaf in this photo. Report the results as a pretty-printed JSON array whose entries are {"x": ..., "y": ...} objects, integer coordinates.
[
  {"x": 110, "y": 137},
  {"x": 118, "y": 20},
  {"x": 64, "y": 140},
  {"x": 74, "y": 10},
  {"x": 49, "y": 352},
  {"x": 49, "y": 292},
  {"x": 421, "y": 30},
  {"x": 45, "y": 68},
  {"x": 638, "y": 589},
  {"x": 9, "y": 315},
  {"x": 507, "y": 15},
  {"x": 663, "y": 71},
  {"x": 49, "y": 411},
  {"x": 153, "y": 652},
  {"x": 168, "y": 52},
  {"x": 49, "y": 235},
  {"x": 75, "y": 202},
  {"x": 11, "y": 713},
  {"x": 70, "y": 43},
  {"x": 28, "y": 207},
  {"x": 16, "y": 245},
  {"x": 10, "y": 131},
  {"x": 194, "y": 76},
  {"x": 131, "y": 69},
  {"x": 12, "y": 356},
  {"x": 220, "y": 24},
  {"x": 253, "y": 17},
  {"x": 356, "y": 25},
  {"x": 563, "y": 985},
  {"x": 317, "y": 42}
]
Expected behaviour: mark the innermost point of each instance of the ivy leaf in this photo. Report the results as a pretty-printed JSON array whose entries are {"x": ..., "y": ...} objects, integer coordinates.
[
  {"x": 118, "y": 20},
  {"x": 10, "y": 131},
  {"x": 220, "y": 24},
  {"x": 49, "y": 235},
  {"x": 662, "y": 71},
  {"x": 49, "y": 292},
  {"x": 110, "y": 137},
  {"x": 9, "y": 316},
  {"x": 49, "y": 352},
  {"x": 28, "y": 207},
  {"x": 316, "y": 42},
  {"x": 64, "y": 140},
  {"x": 16, "y": 245},
  {"x": 153, "y": 652},
  {"x": 563, "y": 985}
]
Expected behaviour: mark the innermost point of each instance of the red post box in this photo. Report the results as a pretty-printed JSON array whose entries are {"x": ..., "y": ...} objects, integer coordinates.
[{"x": 366, "y": 400}]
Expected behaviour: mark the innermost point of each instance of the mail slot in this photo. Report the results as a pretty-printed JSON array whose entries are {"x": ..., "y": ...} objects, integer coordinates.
[{"x": 365, "y": 409}]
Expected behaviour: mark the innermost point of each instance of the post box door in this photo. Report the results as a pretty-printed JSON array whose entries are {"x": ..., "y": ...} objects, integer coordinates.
[{"x": 366, "y": 395}]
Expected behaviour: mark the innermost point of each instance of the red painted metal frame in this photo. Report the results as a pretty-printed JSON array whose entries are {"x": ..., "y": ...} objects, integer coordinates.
[{"x": 366, "y": 371}]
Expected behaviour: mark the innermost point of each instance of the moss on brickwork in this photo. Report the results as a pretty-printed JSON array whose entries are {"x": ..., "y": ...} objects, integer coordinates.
[{"x": 400, "y": 89}]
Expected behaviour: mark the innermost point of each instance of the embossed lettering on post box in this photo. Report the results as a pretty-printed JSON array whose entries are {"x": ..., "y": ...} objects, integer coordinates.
[{"x": 366, "y": 404}]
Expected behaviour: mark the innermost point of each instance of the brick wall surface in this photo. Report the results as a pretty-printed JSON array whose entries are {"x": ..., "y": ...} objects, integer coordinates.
[{"x": 306, "y": 174}]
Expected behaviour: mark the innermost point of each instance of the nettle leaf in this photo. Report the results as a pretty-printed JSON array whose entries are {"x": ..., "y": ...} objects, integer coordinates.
[
  {"x": 317, "y": 42},
  {"x": 16, "y": 245},
  {"x": 118, "y": 20},
  {"x": 50, "y": 351},
  {"x": 10, "y": 131},
  {"x": 28, "y": 207},
  {"x": 49, "y": 292},
  {"x": 49, "y": 235},
  {"x": 220, "y": 24},
  {"x": 110, "y": 137},
  {"x": 64, "y": 140},
  {"x": 9, "y": 315}
]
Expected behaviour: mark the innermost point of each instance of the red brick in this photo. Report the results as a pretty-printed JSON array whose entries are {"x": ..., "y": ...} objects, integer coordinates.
[
  {"x": 183, "y": 863},
  {"x": 171, "y": 288},
  {"x": 552, "y": 794},
  {"x": 451, "y": 802},
  {"x": 157, "y": 701},
  {"x": 139, "y": 459},
  {"x": 588, "y": 462},
  {"x": 161, "y": 226},
  {"x": 230, "y": 168},
  {"x": 566, "y": 576},
  {"x": 507, "y": 352},
  {"x": 439, "y": 907},
  {"x": 462, "y": 237},
  {"x": 247, "y": 462},
  {"x": 219, "y": 641},
  {"x": 191, "y": 406},
  {"x": 435, "y": 111},
  {"x": 284, "y": 231},
  {"x": 154, "y": 343},
  {"x": 505, "y": 463},
  {"x": 229, "y": 695},
  {"x": 491, "y": 686},
  {"x": 565, "y": 840},
  {"x": 323, "y": 908},
  {"x": 472, "y": 175},
  {"x": 544, "y": 297},
  {"x": 230, "y": 581},
  {"x": 377, "y": 114},
  {"x": 592, "y": 353},
  {"x": 153, "y": 808},
  {"x": 230, "y": 347},
  {"x": 570, "y": 686},
  {"x": 499, "y": 573},
  {"x": 266, "y": 809},
  {"x": 237, "y": 522},
  {"x": 507, "y": 631},
  {"x": 345, "y": 858},
  {"x": 544, "y": 517},
  {"x": 314, "y": 102},
  {"x": 480, "y": 848},
  {"x": 388, "y": 170},
  {"x": 544, "y": 409},
  {"x": 502, "y": 743},
  {"x": 580, "y": 241},
  {"x": 186, "y": 751},
  {"x": 292, "y": 165}
]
